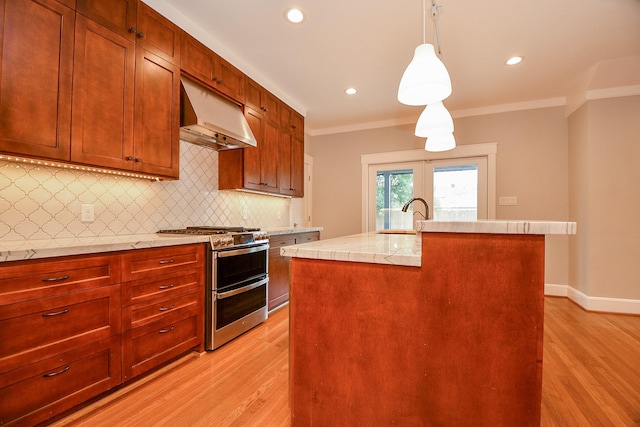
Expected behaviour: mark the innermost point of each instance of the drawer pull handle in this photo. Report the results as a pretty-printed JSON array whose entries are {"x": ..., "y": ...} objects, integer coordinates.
[
  {"x": 56, "y": 279},
  {"x": 61, "y": 371},
  {"x": 57, "y": 313},
  {"x": 166, "y": 308},
  {"x": 164, "y": 261},
  {"x": 164, "y": 331},
  {"x": 163, "y": 287}
]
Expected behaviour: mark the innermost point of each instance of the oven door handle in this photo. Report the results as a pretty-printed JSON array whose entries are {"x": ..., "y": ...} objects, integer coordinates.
[
  {"x": 223, "y": 295},
  {"x": 242, "y": 251}
]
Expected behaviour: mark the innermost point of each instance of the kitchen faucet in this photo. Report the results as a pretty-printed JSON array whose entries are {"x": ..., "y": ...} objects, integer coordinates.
[{"x": 426, "y": 206}]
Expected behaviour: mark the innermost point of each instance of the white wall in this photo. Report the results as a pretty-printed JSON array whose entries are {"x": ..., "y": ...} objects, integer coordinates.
[
  {"x": 532, "y": 164},
  {"x": 604, "y": 141}
]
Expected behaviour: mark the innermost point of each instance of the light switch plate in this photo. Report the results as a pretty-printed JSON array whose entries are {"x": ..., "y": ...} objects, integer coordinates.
[{"x": 508, "y": 201}]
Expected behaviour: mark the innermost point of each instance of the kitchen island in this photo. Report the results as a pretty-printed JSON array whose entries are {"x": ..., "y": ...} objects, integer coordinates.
[{"x": 440, "y": 328}]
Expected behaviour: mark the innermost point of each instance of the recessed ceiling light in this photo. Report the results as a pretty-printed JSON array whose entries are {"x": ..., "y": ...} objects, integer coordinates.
[
  {"x": 350, "y": 91},
  {"x": 294, "y": 15},
  {"x": 515, "y": 60}
]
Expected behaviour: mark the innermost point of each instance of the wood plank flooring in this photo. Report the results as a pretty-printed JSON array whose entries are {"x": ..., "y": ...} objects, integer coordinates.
[{"x": 591, "y": 378}]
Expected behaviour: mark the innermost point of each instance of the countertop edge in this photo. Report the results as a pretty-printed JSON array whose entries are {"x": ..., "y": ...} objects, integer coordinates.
[
  {"x": 498, "y": 227},
  {"x": 50, "y": 248}
]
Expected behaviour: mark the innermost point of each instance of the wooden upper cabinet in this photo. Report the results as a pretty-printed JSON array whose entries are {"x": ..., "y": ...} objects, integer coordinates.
[
  {"x": 156, "y": 141},
  {"x": 253, "y": 168},
  {"x": 262, "y": 100},
  {"x": 291, "y": 153},
  {"x": 117, "y": 15},
  {"x": 157, "y": 34},
  {"x": 103, "y": 97},
  {"x": 203, "y": 64},
  {"x": 36, "y": 71}
]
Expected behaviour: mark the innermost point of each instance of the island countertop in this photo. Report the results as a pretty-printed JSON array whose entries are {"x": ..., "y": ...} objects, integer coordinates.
[{"x": 406, "y": 249}]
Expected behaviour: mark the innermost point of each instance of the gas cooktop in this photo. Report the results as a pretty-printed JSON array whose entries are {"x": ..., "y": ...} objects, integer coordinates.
[
  {"x": 224, "y": 236},
  {"x": 208, "y": 229}
]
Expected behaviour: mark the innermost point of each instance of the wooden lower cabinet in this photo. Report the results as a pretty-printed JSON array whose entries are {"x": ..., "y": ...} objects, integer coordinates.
[
  {"x": 279, "y": 265},
  {"x": 60, "y": 326},
  {"x": 37, "y": 391},
  {"x": 163, "y": 309},
  {"x": 69, "y": 330}
]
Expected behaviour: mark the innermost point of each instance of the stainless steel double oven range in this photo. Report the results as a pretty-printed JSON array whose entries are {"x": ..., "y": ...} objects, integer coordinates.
[{"x": 237, "y": 281}]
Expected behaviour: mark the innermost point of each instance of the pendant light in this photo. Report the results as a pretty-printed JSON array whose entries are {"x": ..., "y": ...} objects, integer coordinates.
[
  {"x": 440, "y": 142},
  {"x": 426, "y": 79},
  {"x": 434, "y": 120}
]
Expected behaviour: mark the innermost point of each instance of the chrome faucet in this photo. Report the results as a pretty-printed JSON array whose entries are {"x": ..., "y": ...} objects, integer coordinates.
[{"x": 426, "y": 206}]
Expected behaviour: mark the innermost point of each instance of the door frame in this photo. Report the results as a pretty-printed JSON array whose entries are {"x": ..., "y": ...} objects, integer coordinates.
[{"x": 488, "y": 150}]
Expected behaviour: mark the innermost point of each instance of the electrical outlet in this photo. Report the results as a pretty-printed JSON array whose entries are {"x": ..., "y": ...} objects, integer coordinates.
[
  {"x": 508, "y": 201},
  {"x": 87, "y": 214}
]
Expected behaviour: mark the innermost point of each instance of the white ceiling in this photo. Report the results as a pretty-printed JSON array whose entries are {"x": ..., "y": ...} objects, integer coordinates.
[{"x": 367, "y": 44}]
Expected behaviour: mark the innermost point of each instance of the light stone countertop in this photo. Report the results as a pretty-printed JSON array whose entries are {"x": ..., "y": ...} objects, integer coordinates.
[
  {"x": 406, "y": 249},
  {"x": 276, "y": 231},
  {"x": 46, "y": 248},
  {"x": 18, "y": 250}
]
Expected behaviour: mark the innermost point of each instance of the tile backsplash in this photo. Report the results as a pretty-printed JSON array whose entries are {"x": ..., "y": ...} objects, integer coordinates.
[{"x": 41, "y": 202}]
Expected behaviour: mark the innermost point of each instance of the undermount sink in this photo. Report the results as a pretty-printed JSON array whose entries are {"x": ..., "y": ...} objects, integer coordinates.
[{"x": 397, "y": 231}]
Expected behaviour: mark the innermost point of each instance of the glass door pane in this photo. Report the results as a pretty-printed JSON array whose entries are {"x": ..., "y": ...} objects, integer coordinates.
[
  {"x": 390, "y": 187},
  {"x": 455, "y": 193}
]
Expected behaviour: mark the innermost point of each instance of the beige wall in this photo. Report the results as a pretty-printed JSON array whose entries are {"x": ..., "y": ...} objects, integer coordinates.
[
  {"x": 532, "y": 164},
  {"x": 604, "y": 146}
]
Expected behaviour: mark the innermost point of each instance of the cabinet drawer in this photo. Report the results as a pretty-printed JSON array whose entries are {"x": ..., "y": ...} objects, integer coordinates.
[
  {"x": 281, "y": 241},
  {"x": 27, "y": 280},
  {"x": 34, "y": 392},
  {"x": 37, "y": 329},
  {"x": 144, "y": 263},
  {"x": 150, "y": 345},
  {"x": 307, "y": 237},
  {"x": 138, "y": 290},
  {"x": 152, "y": 310}
]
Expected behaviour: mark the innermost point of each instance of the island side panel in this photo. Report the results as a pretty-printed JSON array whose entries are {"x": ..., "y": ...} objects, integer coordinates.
[{"x": 455, "y": 340}]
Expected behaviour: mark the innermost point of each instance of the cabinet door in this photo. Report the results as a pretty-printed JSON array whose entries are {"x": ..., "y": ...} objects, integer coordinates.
[
  {"x": 36, "y": 63},
  {"x": 269, "y": 156},
  {"x": 228, "y": 79},
  {"x": 196, "y": 59},
  {"x": 285, "y": 149},
  {"x": 279, "y": 270},
  {"x": 157, "y": 34},
  {"x": 297, "y": 166},
  {"x": 116, "y": 15},
  {"x": 252, "y": 177},
  {"x": 103, "y": 97},
  {"x": 157, "y": 116}
]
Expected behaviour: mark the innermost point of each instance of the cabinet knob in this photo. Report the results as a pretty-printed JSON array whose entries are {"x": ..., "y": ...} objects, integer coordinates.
[
  {"x": 138, "y": 159},
  {"x": 132, "y": 30},
  {"x": 140, "y": 35},
  {"x": 129, "y": 158}
]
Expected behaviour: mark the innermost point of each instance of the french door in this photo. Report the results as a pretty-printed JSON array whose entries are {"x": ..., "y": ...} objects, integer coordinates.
[{"x": 455, "y": 189}]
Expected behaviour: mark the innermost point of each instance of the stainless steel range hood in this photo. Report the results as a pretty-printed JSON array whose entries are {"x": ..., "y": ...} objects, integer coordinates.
[{"x": 210, "y": 120}]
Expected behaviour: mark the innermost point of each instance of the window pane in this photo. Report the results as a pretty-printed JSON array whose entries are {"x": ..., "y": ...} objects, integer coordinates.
[
  {"x": 455, "y": 193},
  {"x": 393, "y": 189}
]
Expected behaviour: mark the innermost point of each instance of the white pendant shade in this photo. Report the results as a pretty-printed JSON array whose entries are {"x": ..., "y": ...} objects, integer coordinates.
[
  {"x": 426, "y": 79},
  {"x": 434, "y": 120},
  {"x": 441, "y": 142}
]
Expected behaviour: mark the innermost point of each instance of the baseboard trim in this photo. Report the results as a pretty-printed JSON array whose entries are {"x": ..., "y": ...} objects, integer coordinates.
[{"x": 609, "y": 305}]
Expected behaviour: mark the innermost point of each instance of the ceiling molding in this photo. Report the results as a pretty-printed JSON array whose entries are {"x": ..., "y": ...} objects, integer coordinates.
[{"x": 493, "y": 109}]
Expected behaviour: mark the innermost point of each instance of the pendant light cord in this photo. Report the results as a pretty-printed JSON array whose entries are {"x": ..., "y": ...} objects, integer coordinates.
[{"x": 435, "y": 14}]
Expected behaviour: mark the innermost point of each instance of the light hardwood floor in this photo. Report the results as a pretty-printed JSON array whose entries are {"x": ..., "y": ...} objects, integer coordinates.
[{"x": 591, "y": 377}]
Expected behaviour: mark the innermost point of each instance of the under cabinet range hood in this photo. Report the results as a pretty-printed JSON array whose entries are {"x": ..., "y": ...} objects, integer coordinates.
[{"x": 210, "y": 120}]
